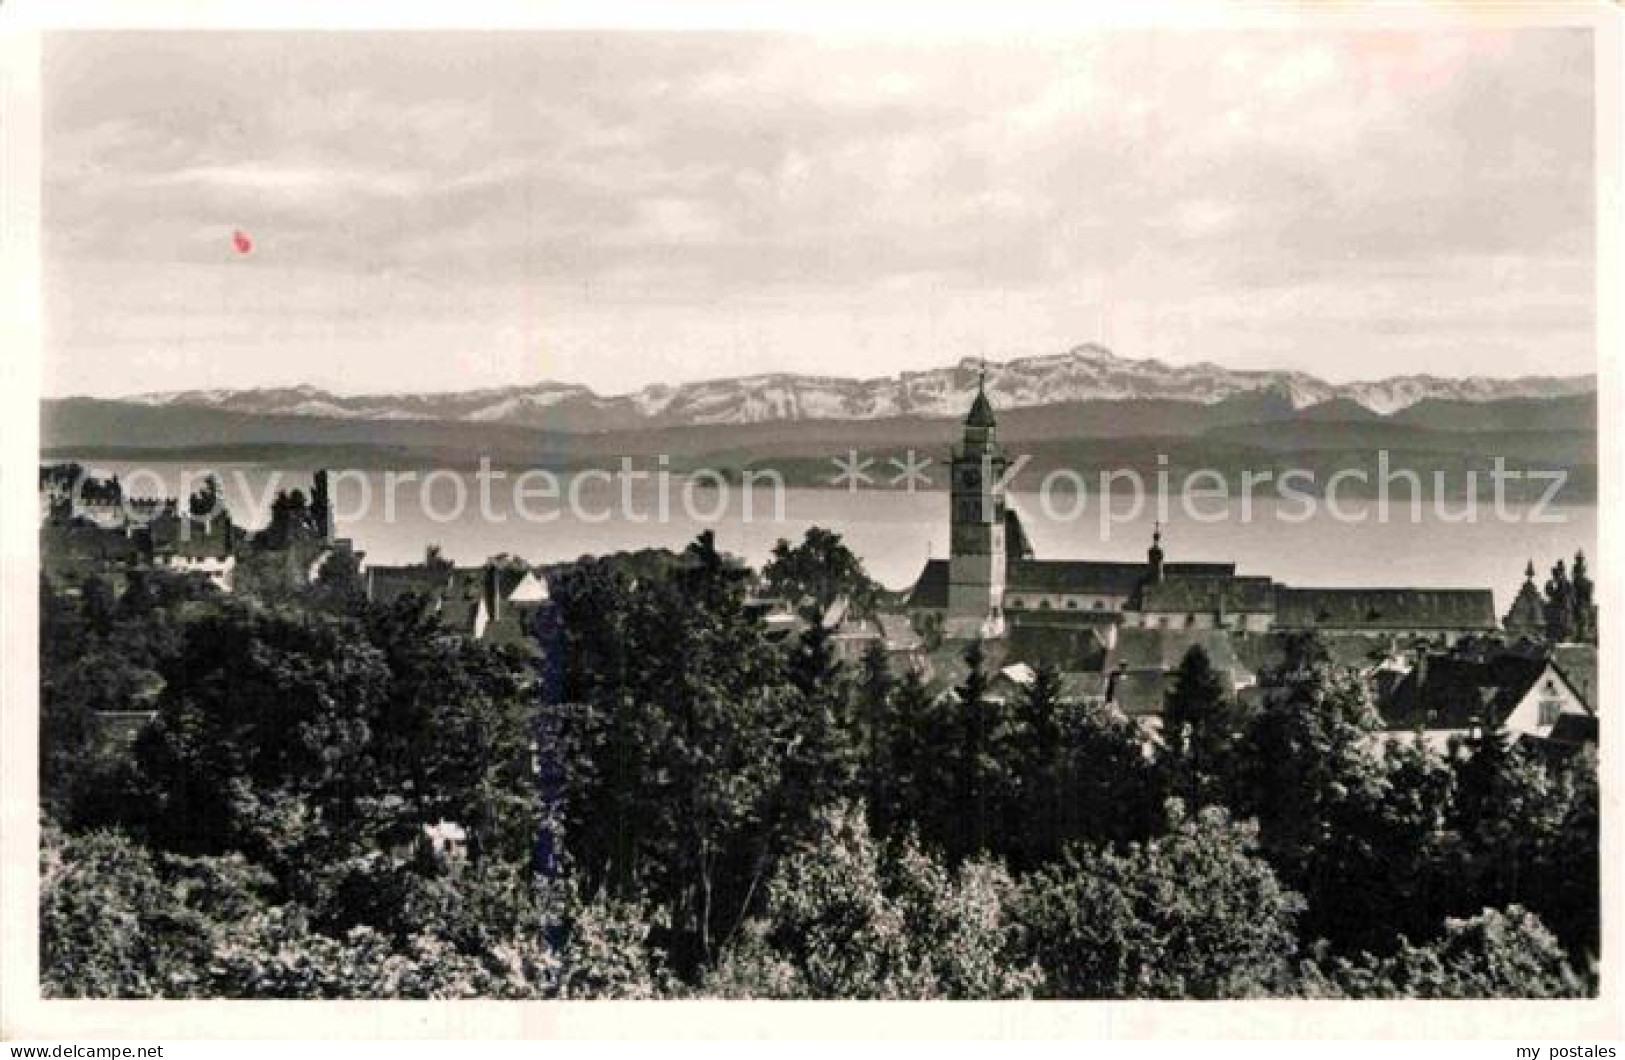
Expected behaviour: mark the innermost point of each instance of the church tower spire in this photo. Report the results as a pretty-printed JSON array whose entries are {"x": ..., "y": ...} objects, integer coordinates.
[{"x": 1526, "y": 618}]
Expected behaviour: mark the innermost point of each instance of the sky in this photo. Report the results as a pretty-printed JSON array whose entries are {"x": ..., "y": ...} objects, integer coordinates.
[{"x": 451, "y": 211}]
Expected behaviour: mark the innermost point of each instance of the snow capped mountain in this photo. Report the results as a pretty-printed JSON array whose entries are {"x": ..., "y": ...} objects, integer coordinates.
[{"x": 1087, "y": 373}]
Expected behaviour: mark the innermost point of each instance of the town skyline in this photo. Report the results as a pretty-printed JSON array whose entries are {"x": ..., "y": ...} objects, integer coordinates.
[{"x": 619, "y": 210}]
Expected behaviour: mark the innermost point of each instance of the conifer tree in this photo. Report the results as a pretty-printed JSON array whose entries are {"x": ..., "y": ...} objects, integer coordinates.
[
  {"x": 1559, "y": 606},
  {"x": 1583, "y": 592},
  {"x": 1194, "y": 726}
]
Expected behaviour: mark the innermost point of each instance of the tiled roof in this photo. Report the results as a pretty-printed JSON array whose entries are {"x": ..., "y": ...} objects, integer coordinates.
[
  {"x": 1063, "y": 576},
  {"x": 1016, "y": 543},
  {"x": 1579, "y": 664},
  {"x": 1139, "y": 693},
  {"x": 1164, "y": 649},
  {"x": 1574, "y": 729},
  {"x": 1067, "y": 647},
  {"x": 386, "y": 584},
  {"x": 1379, "y": 609},
  {"x": 1074, "y": 576},
  {"x": 1083, "y": 684},
  {"x": 1100, "y": 576},
  {"x": 931, "y": 587},
  {"x": 1356, "y": 651},
  {"x": 1179, "y": 593},
  {"x": 1456, "y": 693}
]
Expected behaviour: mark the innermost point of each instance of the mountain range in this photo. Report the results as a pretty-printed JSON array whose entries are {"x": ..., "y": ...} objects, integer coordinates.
[
  {"x": 1086, "y": 410},
  {"x": 1086, "y": 374}
]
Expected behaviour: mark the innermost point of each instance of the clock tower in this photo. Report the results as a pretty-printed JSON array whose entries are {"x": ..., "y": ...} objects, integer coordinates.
[{"x": 976, "y": 554}]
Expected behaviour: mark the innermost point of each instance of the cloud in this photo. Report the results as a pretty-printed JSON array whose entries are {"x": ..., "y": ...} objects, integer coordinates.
[{"x": 1226, "y": 180}]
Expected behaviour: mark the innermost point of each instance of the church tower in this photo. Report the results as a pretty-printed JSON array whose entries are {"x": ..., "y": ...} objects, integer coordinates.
[
  {"x": 976, "y": 554},
  {"x": 1526, "y": 619}
]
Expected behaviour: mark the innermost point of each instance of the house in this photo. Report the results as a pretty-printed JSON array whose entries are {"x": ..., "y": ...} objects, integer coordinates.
[
  {"x": 494, "y": 602},
  {"x": 1143, "y": 667},
  {"x": 1446, "y": 696}
]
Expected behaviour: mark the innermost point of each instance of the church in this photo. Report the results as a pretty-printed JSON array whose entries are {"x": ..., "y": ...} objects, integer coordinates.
[{"x": 992, "y": 580}]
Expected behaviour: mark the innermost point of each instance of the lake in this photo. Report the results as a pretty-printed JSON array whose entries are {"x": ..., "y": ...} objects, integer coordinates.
[{"x": 894, "y": 531}]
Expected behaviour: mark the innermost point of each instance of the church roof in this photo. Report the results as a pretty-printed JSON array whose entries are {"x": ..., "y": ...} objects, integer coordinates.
[
  {"x": 1108, "y": 577},
  {"x": 931, "y": 587},
  {"x": 1016, "y": 543},
  {"x": 1528, "y": 612},
  {"x": 1067, "y": 576},
  {"x": 1207, "y": 594},
  {"x": 1380, "y": 609}
]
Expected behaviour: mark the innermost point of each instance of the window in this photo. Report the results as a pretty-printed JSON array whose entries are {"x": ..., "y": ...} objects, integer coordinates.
[
  {"x": 1190, "y": 620},
  {"x": 1071, "y": 605},
  {"x": 1015, "y": 603},
  {"x": 1550, "y": 708},
  {"x": 1100, "y": 605},
  {"x": 1043, "y": 605}
]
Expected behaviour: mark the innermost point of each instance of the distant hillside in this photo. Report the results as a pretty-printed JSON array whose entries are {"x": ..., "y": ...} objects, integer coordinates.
[
  {"x": 1248, "y": 432},
  {"x": 1569, "y": 412},
  {"x": 1084, "y": 375}
]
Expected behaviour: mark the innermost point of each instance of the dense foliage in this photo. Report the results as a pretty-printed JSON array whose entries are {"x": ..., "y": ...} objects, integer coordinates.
[{"x": 336, "y": 799}]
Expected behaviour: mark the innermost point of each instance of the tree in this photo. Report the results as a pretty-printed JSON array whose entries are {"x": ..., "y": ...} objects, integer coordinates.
[
  {"x": 846, "y": 918},
  {"x": 909, "y": 743},
  {"x": 876, "y": 727},
  {"x": 1497, "y": 954},
  {"x": 1583, "y": 604},
  {"x": 206, "y": 501},
  {"x": 977, "y": 761},
  {"x": 1310, "y": 773},
  {"x": 820, "y": 570},
  {"x": 1195, "y": 913},
  {"x": 262, "y": 743},
  {"x": 1196, "y": 729},
  {"x": 1559, "y": 606},
  {"x": 339, "y": 586},
  {"x": 1040, "y": 769},
  {"x": 1527, "y": 828},
  {"x": 689, "y": 759}
]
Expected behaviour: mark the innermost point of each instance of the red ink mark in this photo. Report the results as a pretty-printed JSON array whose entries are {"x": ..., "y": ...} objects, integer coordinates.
[{"x": 241, "y": 241}]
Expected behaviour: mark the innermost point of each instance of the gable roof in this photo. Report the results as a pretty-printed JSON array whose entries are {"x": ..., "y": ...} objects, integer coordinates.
[
  {"x": 1139, "y": 693},
  {"x": 1164, "y": 649},
  {"x": 1207, "y": 594},
  {"x": 1579, "y": 664},
  {"x": 1379, "y": 609},
  {"x": 931, "y": 587},
  {"x": 1068, "y": 647},
  {"x": 1574, "y": 729},
  {"x": 1448, "y": 692}
]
